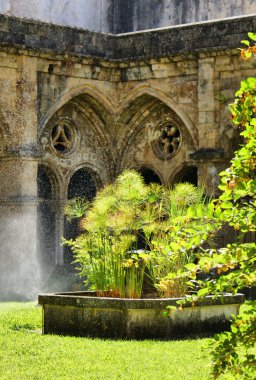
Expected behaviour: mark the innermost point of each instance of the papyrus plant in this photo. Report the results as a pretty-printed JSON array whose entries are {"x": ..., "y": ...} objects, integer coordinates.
[
  {"x": 106, "y": 251},
  {"x": 183, "y": 223},
  {"x": 131, "y": 229}
]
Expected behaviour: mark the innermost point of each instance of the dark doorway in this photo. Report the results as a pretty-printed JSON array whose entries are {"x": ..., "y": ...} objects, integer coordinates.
[
  {"x": 189, "y": 175},
  {"x": 81, "y": 185},
  {"x": 149, "y": 176}
]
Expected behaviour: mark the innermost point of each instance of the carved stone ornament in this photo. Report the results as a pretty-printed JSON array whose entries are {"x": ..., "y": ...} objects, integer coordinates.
[
  {"x": 62, "y": 137},
  {"x": 167, "y": 140}
]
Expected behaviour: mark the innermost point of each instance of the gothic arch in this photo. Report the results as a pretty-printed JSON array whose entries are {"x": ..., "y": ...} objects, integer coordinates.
[
  {"x": 142, "y": 115},
  {"x": 143, "y": 167},
  {"x": 92, "y": 171},
  {"x": 150, "y": 174},
  {"x": 182, "y": 173},
  {"x": 96, "y": 116},
  {"x": 87, "y": 122},
  {"x": 156, "y": 93},
  {"x": 54, "y": 176},
  {"x": 47, "y": 219},
  {"x": 83, "y": 183},
  {"x": 93, "y": 93}
]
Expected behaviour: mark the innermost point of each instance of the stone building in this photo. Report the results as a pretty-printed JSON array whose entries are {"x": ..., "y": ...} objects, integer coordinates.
[{"x": 90, "y": 90}]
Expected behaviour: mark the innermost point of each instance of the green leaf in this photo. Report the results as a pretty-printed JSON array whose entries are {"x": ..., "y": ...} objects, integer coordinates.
[
  {"x": 203, "y": 292},
  {"x": 227, "y": 205},
  {"x": 245, "y": 42},
  {"x": 252, "y": 36},
  {"x": 217, "y": 212},
  {"x": 190, "y": 266},
  {"x": 174, "y": 246},
  {"x": 251, "y": 81}
]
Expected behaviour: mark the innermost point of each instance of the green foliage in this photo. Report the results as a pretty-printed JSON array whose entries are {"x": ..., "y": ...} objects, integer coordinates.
[
  {"x": 175, "y": 243},
  {"x": 249, "y": 51},
  {"x": 183, "y": 223},
  {"x": 105, "y": 250},
  {"x": 234, "y": 352},
  {"x": 76, "y": 208},
  {"x": 170, "y": 225}
]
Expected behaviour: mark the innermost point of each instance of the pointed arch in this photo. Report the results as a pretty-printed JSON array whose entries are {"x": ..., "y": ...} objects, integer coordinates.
[
  {"x": 92, "y": 175},
  {"x": 144, "y": 112},
  {"x": 91, "y": 92},
  {"x": 186, "y": 172},
  {"x": 150, "y": 174},
  {"x": 143, "y": 90},
  {"x": 47, "y": 241},
  {"x": 88, "y": 119}
]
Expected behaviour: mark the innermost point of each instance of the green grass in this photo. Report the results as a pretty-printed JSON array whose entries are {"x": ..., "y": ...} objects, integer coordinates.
[{"x": 26, "y": 354}]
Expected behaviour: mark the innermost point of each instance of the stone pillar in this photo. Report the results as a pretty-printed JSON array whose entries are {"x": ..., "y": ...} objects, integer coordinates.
[
  {"x": 19, "y": 270},
  {"x": 209, "y": 157},
  {"x": 207, "y": 131},
  {"x": 208, "y": 172}
]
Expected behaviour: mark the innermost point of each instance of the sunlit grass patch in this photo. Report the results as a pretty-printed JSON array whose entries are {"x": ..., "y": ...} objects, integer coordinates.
[{"x": 26, "y": 354}]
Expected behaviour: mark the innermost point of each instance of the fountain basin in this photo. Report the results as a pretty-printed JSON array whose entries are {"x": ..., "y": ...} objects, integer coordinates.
[{"x": 85, "y": 314}]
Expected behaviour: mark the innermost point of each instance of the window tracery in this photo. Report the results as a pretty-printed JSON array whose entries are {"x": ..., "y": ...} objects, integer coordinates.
[
  {"x": 62, "y": 137},
  {"x": 167, "y": 140}
]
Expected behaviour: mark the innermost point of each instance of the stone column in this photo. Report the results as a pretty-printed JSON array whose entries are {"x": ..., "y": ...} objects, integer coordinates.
[
  {"x": 208, "y": 172},
  {"x": 209, "y": 157},
  {"x": 207, "y": 131},
  {"x": 19, "y": 270}
]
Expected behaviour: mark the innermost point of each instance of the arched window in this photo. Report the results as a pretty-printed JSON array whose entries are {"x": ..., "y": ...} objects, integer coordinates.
[
  {"x": 188, "y": 174},
  {"x": 82, "y": 184},
  {"x": 149, "y": 175}
]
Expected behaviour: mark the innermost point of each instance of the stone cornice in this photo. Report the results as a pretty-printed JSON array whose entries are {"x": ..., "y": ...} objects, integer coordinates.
[{"x": 24, "y": 34}]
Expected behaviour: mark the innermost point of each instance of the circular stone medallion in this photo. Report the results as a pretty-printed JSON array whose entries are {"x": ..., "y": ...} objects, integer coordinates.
[
  {"x": 62, "y": 136},
  {"x": 167, "y": 141}
]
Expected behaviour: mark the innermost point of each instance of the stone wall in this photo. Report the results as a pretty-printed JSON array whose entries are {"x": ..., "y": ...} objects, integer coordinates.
[{"x": 79, "y": 103}]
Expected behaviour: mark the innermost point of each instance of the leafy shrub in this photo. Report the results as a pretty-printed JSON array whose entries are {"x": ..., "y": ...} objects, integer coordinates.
[
  {"x": 131, "y": 229},
  {"x": 234, "y": 351}
]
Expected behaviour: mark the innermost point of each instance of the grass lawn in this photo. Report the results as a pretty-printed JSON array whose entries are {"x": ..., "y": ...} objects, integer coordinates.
[{"x": 26, "y": 354}]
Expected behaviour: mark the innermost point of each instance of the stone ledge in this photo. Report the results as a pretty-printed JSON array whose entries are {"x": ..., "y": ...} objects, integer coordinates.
[
  {"x": 186, "y": 39},
  {"x": 89, "y": 299},
  {"x": 208, "y": 154}
]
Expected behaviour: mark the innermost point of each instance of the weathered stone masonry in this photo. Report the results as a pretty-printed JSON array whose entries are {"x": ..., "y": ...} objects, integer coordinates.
[{"x": 78, "y": 107}]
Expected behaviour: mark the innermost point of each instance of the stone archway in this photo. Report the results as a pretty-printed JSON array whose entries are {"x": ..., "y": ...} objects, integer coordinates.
[
  {"x": 152, "y": 132},
  {"x": 76, "y": 141},
  {"x": 188, "y": 173},
  {"x": 149, "y": 175},
  {"x": 82, "y": 184},
  {"x": 80, "y": 132}
]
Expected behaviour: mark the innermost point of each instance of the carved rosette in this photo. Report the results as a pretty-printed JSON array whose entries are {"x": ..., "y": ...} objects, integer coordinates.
[{"x": 167, "y": 140}]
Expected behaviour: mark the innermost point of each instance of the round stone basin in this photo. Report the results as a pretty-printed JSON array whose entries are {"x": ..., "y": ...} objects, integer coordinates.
[{"x": 85, "y": 314}]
